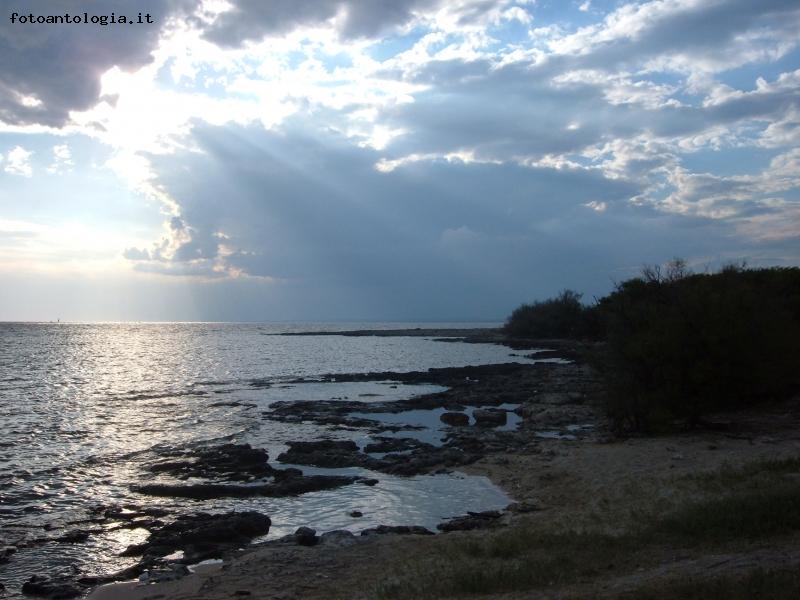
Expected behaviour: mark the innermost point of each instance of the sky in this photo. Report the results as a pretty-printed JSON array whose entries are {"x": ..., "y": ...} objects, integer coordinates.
[{"x": 398, "y": 160}]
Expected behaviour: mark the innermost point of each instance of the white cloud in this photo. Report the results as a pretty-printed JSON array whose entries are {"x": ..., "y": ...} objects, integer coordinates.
[
  {"x": 18, "y": 162},
  {"x": 745, "y": 196},
  {"x": 597, "y": 206},
  {"x": 62, "y": 159}
]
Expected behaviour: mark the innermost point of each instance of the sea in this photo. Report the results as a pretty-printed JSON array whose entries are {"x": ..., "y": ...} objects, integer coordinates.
[{"x": 83, "y": 406}]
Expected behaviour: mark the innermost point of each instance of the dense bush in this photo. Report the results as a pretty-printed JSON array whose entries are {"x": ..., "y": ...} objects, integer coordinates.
[
  {"x": 682, "y": 345},
  {"x": 559, "y": 317}
]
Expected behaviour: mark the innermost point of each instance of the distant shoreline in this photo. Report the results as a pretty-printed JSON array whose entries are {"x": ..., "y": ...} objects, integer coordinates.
[{"x": 485, "y": 333}]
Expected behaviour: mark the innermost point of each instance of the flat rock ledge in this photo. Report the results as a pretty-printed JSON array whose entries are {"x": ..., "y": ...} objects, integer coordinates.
[{"x": 234, "y": 470}]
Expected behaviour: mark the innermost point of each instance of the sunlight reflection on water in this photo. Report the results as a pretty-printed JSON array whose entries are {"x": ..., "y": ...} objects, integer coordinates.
[{"x": 83, "y": 406}]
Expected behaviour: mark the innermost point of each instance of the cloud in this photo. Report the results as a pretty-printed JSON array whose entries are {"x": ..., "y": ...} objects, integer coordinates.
[
  {"x": 252, "y": 20},
  {"x": 685, "y": 35},
  {"x": 18, "y": 162},
  {"x": 62, "y": 159},
  {"x": 358, "y": 150},
  {"x": 310, "y": 210},
  {"x": 136, "y": 254},
  {"x": 718, "y": 197},
  {"x": 48, "y": 70}
]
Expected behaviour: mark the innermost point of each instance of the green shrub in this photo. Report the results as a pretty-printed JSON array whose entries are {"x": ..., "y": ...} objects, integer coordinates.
[
  {"x": 683, "y": 345},
  {"x": 561, "y": 317}
]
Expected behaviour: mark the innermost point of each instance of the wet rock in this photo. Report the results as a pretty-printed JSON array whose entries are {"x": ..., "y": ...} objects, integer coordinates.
[
  {"x": 324, "y": 446},
  {"x": 548, "y": 416},
  {"x": 454, "y": 419},
  {"x": 339, "y": 537},
  {"x": 235, "y": 462},
  {"x": 526, "y": 506},
  {"x": 331, "y": 454},
  {"x": 472, "y": 520},
  {"x": 77, "y": 536},
  {"x": 393, "y": 444},
  {"x": 397, "y": 530},
  {"x": 423, "y": 457},
  {"x": 556, "y": 398},
  {"x": 545, "y": 354},
  {"x": 169, "y": 572},
  {"x": 56, "y": 588},
  {"x": 489, "y": 417},
  {"x": 356, "y": 514},
  {"x": 292, "y": 485},
  {"x": 202, "y": 536},
  {"x": 305, "y": 536}
]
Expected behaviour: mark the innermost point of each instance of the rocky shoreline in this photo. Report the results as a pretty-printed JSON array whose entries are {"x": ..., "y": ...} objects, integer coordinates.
[
  {"x": 549, "y": 399},
  {"x": 537, "y": 430}
]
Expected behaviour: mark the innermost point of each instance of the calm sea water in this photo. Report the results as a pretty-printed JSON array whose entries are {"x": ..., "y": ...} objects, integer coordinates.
[{"x": 84, "y": 406}]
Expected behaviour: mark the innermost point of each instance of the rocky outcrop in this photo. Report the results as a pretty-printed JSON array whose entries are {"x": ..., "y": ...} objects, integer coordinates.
[
  {"x": 288, "y": 485},
  {"x": 233, "y": 462},
  {"x": 489, "y": 417},
  {"x": 415, "y": 458},
  {"x": 472, "y": 520},
  {"x": 202, "y": 535},
  {"x": 397, "y": 530},
  {"x": 235, "y": 471},
  {"x": 58, "y": 587},
  {"x": 305, "y": 536},
  {"x": 454, "y": 419}
]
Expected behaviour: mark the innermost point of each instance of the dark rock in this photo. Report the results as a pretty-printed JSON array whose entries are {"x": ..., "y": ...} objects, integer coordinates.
[
  {"x": 545, "y": 354},
  {"x": 331, "y": 454},
  {"x": 393, "y": 444},
  {"x": 454, "y": 419},
  {"x": 356, "y": 514},
  {"x": 397, "y": 530},
  {"x": 77, "y": 536},
  {"x": 472, "y": 520},
  {"x": 235, "y": 462},
  {"x": 305, "y": 536},
  {"x": 423, "y": 457},
  {"x": 369, "y": 482},
  {"x": 202, "y": 535},
  {"x": 324, "y": 446},
  {"x": 286, "y": 486},
  {"x": 170, "y": 572},
  {"x": 525, "y": 507},
  {"x": 55, "y": 588},
  {"x": 339, "y": 537},
  {"x": 489, "y": 417}
]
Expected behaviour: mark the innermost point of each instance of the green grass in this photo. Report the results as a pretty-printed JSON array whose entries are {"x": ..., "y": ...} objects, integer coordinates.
[
  {"x": 752, "y": 475},
  {"x": 532, "y": 557},
  {"x": 745, "y": 516},
  {"x": 780, "y": 584}
]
